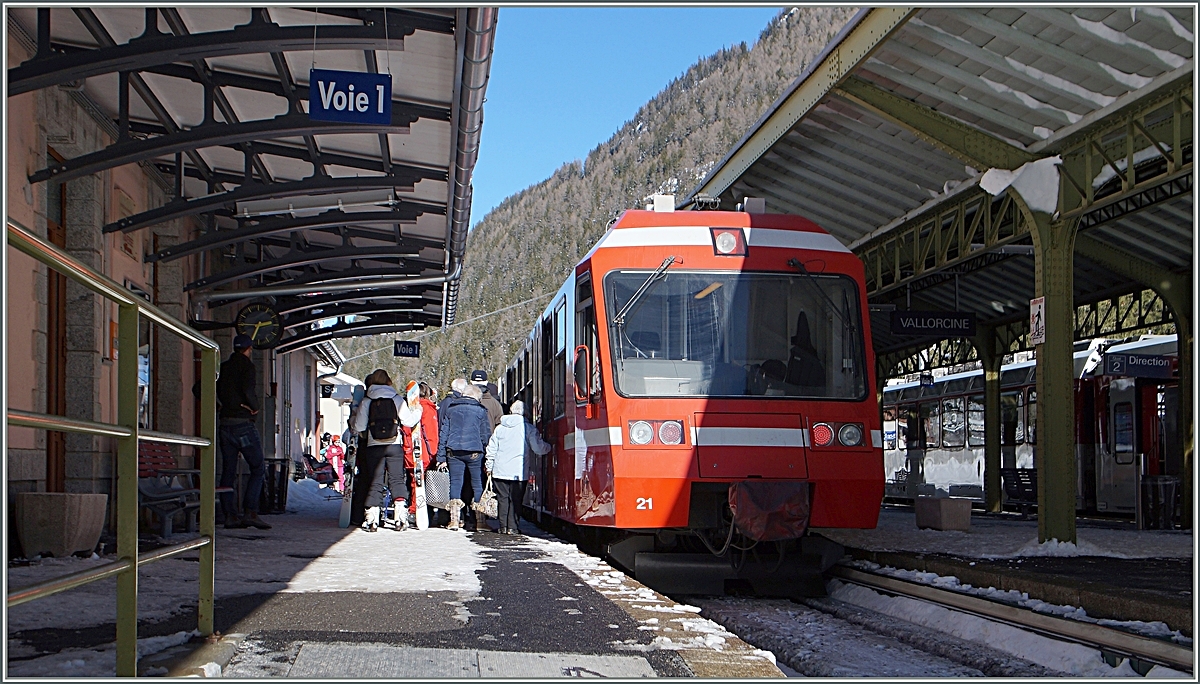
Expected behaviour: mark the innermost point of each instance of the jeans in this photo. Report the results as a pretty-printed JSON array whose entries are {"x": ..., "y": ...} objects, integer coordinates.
[
  {"x": 460, "y": 461},
  {"x": 234, "y": 439},
  {"x": 510, "y": 495}
]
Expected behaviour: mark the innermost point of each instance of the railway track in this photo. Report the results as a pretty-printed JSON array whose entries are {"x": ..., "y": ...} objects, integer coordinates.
[{"x": 1104, "y": 639}]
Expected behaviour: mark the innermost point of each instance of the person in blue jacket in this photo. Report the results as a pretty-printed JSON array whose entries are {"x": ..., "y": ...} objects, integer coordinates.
[
  {"x": 506, "y": 461},
  {"x": 463, "y": 434}
]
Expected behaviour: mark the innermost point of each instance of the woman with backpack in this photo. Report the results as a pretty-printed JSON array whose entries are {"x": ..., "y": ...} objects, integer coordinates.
[{"x": 382, "y": 461}]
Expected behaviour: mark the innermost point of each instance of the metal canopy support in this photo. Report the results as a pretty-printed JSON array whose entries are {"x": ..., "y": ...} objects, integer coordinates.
[
  {"x": 299, "y": 257},
  {"x": 1176, "y": 290},
  {"x": 127, "y": 489},
  {"x": 991, "y": 356},
  {"x": 1054, "y": 276},
  {"x": 967, "y": 143}
]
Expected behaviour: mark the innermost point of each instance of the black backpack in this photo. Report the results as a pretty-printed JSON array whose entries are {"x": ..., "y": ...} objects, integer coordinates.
[{"x": 382, "y": 419}]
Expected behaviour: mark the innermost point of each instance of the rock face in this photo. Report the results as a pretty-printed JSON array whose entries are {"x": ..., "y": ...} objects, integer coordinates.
[{"x": 59, "y": 524}]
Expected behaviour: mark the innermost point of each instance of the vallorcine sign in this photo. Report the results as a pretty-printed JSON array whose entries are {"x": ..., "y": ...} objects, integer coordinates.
[
  {"x": 934, "y": 323},
  {"x": 349, "y": 97}
]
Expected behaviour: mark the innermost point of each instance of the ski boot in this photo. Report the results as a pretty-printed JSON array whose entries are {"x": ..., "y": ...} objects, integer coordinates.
[
  {"x": 400, "y": 513},
  {"x": 455, "y": 508},
  {"x": 371, "y": 524}
]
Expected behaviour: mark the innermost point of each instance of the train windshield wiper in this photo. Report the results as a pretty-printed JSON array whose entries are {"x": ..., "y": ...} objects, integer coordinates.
[
  {"x": 659, "y": 273},
  {"x": 846, "y": 320}
]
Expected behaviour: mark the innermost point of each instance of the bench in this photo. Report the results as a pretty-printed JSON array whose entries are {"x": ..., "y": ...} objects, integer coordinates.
[
  {"x": 1020, "y": 487},
  {"x": 165, "y": 489}
]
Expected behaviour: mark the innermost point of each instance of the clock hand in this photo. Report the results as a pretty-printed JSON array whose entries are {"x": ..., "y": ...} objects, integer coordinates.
[{"x": 257, "y": 326}]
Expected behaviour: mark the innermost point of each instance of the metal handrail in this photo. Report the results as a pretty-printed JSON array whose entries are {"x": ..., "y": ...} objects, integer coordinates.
[
  {"x": 127, "y": 434},
  {"x": 78, "y": 579}
]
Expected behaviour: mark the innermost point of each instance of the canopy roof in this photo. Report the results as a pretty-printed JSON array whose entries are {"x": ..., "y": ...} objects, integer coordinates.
[{"x": 214, "y": 101}]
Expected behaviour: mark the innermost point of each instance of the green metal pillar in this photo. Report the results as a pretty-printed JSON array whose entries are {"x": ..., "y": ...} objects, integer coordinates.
[
  {"x": 1054, "y": 251},
  {"x": 208, "y": 479},
  {"x": 127, "y": 489},
  {"x": 1176, "y": 291},
  {"x": 990, "y": 357}
]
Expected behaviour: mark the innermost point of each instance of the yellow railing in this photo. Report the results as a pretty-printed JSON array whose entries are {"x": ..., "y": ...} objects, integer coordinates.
[{"x": 126, "y": 431}]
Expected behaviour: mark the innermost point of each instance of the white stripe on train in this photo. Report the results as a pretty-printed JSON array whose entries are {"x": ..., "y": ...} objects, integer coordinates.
[{"x": 701, "y": 236}]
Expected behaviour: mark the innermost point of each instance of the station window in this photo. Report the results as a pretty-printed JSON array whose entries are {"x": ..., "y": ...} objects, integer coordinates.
[
  {"x": 975, "y": 421},
  {"x": 1012, "y": 418},
  {"x": 932, "y": 419},
  {"x": 1031, "y": 420},
  {"x": 954, "y": 432}
]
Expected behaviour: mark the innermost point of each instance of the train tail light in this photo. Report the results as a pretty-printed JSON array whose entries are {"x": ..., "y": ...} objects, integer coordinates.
[
  {"x": 850, "y": 434},
  {"x": 729, "y": 242},
  {"x": 670, "y": 432},
  {"x": 822, "y": 434},
  {"x": 641, "y": 432}
]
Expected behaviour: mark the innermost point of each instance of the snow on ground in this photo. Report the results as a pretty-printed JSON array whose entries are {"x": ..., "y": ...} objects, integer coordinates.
[
  {"x": 1069, "y": 658},
  {"x": 306, "y": 497},
  {"x": 997, "y": 538},
  {"x": 1018, "y": 598},
  {"x": 92, "y": 662},
  {"x": 818, "y": 645}
]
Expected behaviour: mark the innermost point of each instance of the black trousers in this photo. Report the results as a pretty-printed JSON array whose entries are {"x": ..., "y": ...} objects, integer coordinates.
[
  {"x": 386, "y": 463},
  {"x": 509, "y": 496}
]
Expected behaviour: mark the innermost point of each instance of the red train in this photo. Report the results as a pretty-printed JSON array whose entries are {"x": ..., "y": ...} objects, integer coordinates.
[{"x": 700, "y": 367}]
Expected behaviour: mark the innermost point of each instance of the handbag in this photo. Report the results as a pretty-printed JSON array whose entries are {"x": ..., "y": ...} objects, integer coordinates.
[
  {"x": 487, "y": 500},
  {"x": 437, "y": 488}
]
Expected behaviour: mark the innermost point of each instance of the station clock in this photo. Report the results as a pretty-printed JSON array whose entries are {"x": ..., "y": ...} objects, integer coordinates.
[{"x": 261, "y": 324}]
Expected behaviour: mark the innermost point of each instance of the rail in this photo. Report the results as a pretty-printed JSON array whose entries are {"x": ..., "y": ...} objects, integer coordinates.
[
  {"x": 127, "y": 434},
  {"x": 1131, "y": 645}
]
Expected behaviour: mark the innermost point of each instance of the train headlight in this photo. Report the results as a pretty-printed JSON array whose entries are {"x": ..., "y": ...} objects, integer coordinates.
[
  {"x": 729, "y": 241},
  {"x": 850, "y": 434},
  {"x": 670, "y": 432},
  {"x": 822, "y": 434},
  {"x": 640, "y": 432}
]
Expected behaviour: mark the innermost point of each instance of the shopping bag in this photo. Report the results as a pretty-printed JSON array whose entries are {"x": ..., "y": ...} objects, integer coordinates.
[
  {"x": 487, "y": 500},
  {"x": 437, "y": 488}
]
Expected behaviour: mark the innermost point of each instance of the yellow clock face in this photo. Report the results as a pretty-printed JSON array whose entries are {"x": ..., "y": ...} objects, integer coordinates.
[{"x": 261, "y": 324}]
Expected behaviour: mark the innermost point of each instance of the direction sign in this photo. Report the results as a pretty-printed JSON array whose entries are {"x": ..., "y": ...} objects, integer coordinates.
[
  {"x": 1139, "y": 366},
  {"x": 1037, "y": 321},
  {"x": 934, "y": 323},
  {"x": 410, "y": 350},
  {"x": 349, "y": 96}
]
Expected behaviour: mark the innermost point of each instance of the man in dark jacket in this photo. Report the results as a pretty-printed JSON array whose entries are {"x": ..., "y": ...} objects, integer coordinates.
[
  {"x": 490, "y": 402},
  {"x": 463, "y": 434},
  {"x": 238, "y": 406}
]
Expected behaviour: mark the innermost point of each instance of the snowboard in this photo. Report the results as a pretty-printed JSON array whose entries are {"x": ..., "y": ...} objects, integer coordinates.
[{"x": 348, "y": 491}]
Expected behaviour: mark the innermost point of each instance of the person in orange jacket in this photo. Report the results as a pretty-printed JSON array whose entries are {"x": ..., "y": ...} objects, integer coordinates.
[{"x": 429, "y": 436}]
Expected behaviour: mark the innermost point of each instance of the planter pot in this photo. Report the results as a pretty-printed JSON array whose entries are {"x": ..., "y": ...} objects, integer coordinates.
[
  {"x": 943, "y": 513},
  {"x": 59, "y": 524}
]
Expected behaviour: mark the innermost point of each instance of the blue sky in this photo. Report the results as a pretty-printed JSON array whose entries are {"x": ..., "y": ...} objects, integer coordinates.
[{"x": 564, "y": 79}]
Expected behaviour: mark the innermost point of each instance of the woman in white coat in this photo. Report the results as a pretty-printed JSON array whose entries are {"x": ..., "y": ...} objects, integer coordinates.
[{"x": 506, "y": 461}]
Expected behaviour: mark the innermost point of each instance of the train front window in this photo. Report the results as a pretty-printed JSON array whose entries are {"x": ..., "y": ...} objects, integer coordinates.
[{"x": 736, "y": 334}]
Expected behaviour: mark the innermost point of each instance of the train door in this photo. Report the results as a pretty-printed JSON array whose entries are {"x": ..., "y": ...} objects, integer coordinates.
[{"x": 1117, "y": 454}]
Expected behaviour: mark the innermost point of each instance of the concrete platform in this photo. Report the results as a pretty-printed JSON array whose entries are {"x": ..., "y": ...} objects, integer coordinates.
[{"x": 308, "y": 599}]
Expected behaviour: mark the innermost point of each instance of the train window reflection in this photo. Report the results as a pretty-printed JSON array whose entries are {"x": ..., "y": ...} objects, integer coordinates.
[
  {"x": 975, "y": 421},
  {"x": 889, "y": 427},
  {"x": 953, "y": 424},
  {"x": 1031, "y": 420},
  {"x": 737, "y": 334},
  {"x": 1012, "y": 418}
]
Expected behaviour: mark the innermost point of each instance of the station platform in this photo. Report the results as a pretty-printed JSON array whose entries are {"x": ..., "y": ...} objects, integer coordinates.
[
  {"x": 1114, "y": 572},
  {"x": 308, "y": 599}
]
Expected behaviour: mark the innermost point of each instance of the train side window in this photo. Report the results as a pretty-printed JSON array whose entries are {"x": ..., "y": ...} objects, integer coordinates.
[
  {"x": 586, "y": 336},
  {"x": 931, "y": 417},
  {"x": 975, "y": 421},
  {"x": 1123, "y": 432},
  {"x": 908, "y": 426},
  {"x": 560, "y": 359},
  {"x": 1031, "y": 419},
  {"x": 953, "y": 424},
  {"x": 889, "y": 428},
  {"x": 1012, "y": 418}
]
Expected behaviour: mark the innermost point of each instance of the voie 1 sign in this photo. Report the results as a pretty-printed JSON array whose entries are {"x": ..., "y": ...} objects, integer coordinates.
[
  {"x": 349, "y": 96},
  {"x": 411, "y": 350}
]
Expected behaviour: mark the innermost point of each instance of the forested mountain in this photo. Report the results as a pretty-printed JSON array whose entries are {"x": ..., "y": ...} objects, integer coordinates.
[{"x": 528, "y": 244}]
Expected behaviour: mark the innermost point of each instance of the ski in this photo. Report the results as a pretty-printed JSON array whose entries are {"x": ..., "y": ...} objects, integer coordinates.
[
  {"x": 418, "y": 493},
  {"x": 347, "y": 489}
]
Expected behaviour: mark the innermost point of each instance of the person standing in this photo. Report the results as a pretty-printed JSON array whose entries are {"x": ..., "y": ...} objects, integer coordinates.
[
  {"x": 494, "y": 410},
  {"x": 464, "y": 432},
  {"x": 506, "y": 461},
  {"x": 379, "y": 416},
  {"x": 336, "y": 456},
  {"x": 427, "y": 414},
  {"x": 238, "y": 406}
]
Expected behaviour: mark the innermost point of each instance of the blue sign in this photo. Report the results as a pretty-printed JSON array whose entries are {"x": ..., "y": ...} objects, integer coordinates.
[
  {"x": 1139, "y": 366},
  {"x": 349, "y": 97},
  {"x": 410, "y": 350}
]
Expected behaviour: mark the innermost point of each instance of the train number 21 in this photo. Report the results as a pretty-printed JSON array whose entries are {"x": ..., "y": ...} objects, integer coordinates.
[{"x": 645, "y": 503}]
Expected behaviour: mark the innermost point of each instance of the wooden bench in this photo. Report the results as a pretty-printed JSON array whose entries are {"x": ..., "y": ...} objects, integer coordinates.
[
  {"x": 166, "y": 489},
  {"x": 1020, "y": 487}
]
